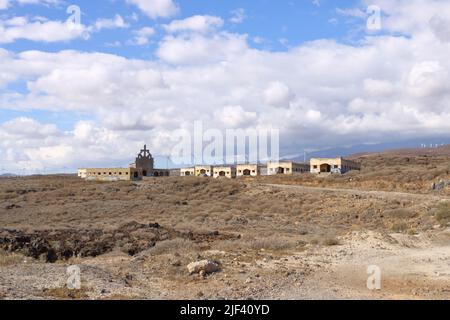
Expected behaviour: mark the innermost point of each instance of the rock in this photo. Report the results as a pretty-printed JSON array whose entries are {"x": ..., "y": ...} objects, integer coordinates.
[
  {"x": 207, "y": 266},
  {"x": 176, "y": 263}
]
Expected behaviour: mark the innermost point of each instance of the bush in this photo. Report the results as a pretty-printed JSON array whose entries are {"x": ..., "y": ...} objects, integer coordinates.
[
  {"x": 331, "y": 242},
  {"x": 443, "y": 213},
  {"x": 172, "y": 246},
  {"x": 399, "y": 227}
]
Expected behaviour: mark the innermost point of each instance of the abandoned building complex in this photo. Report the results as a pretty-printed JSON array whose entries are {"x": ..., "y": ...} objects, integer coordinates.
[
  {"x": 144, "y": 167},
  {"x": 337, "y": 165}
]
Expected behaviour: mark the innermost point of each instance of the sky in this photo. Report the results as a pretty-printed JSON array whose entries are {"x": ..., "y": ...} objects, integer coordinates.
[{"x": 87, "y": 83}]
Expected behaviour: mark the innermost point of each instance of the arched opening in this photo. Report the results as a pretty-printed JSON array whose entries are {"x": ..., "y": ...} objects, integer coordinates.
[
  {"x": 325, "y": 168},
  {"x": 187, "y": 173},
  {"x": 222, "y": 174},
  {"x": 280, "y": 170},
  {"x": 247, "y": 172},
  {"x": 203, "y": 172},
  {"x": 156, "y": 174},
  {"x": 136, "y": 175},
  {"x": 144, "y": 173}
]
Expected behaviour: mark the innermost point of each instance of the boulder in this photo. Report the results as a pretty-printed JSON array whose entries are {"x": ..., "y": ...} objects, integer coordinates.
[{"x": 204, "y": 266}]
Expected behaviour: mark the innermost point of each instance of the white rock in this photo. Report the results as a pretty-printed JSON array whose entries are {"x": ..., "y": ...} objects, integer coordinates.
[{"x": 206, "y": 266}]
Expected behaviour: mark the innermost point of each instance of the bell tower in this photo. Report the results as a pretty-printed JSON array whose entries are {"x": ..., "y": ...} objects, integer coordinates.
[{"x": 145, "y": 162}]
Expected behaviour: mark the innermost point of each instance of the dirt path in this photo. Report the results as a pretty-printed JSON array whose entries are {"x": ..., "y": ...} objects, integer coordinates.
[
  {"x": 378, "y": 194},
  {"x": 412, "y": 267}
]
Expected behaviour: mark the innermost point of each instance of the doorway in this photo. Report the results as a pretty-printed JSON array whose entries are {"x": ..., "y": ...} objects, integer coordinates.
[{"x": 325, "y": 168}]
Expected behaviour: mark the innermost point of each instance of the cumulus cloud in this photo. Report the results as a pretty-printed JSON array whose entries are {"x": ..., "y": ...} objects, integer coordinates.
[
  {"x": 156, "y": 8},
  {"x": 238, "y": 16},
  {"x": 116, "y": 22},
  {"x": 4, "y": 4},
  {"x": 199, "y": 49},
  {"x": 236, "y": 117},
  {"x": 37, "y": 30},
  {"x": 278, "y": 94},
  {"x": 142, "y": 36},
  {"x": 195, "y": 24}
]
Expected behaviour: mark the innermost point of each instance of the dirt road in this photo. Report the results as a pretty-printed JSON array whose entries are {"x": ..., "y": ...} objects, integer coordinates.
[{"x": 373, "y": 193}]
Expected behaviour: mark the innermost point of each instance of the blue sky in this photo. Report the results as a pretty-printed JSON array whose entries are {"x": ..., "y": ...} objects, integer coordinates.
[
  {"x": 296, "y": 21},
  {"x": 135, "y": 71}
]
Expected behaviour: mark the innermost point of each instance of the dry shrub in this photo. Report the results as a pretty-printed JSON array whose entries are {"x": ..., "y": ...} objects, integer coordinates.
[
  {"x": 174, "y": 245},
  {"x": 9, "y": 259},
  {"x": 67, "y": 294},
  {"x": 330, "y": 242},
  {"x": 399, "y": 227},
  {"x": 401, "y": 213},
  {"x": 443, "y": 213},
  {"x": 272, "y": 243}
]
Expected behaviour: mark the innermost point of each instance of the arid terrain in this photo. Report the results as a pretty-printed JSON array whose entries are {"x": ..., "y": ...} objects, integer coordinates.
[{"x": 300, "y": 237}]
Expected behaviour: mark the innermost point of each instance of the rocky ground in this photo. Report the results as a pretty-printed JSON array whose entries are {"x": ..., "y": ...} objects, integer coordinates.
[{"x": 267, "y": 238}]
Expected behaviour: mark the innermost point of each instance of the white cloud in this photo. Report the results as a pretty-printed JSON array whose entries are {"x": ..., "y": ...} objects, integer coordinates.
[
  {"x": 116, "y": 22},
  {"x": 278, "y": 94},
  {"x": 46, "y": 31},
  {"x": 4, "y": 4},
  {"x": 236, "y": 117},
  {"x": 352, "y": 12},
  {"x": 195, "y": 23},
  {"x": 428, "y": 78},
  {"x": 142, "y": 36},
  {"x": 238, "y": 16},
  {"x": 198, "y": 49},
  {"x": 156, "y": 8}
]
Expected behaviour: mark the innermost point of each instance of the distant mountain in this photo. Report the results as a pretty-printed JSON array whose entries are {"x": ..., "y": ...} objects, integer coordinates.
[
  {"x": 410, "y": 152},
  {"x": 8, "y": 175},
  {"x": 402, "y": 148}
]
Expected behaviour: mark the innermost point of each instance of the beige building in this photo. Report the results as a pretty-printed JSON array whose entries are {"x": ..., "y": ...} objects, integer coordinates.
[
  {"x": 286, "y": 167},
  {"x": 111, "y": 174},
  {"x": 142, "y": 167},
  {"x": 187, "y": 172},
  {"x": 248, "y": 170},
  {"x": 227, "y": 172},
  {"x": 203, "y": 171},
  {"x": 161, "y": 173},
  {"x": 333, "y": 165}
]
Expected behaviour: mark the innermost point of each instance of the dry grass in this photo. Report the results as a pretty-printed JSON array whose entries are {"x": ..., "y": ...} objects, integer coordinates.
[
  {"x": 173, "y": 246},
  {"x": 399, "y": 227},
  {"x": 67, "y": 294},
  {"x": 443, "y": 213},
  {"x": 9, "y": 259},
  {"x": 330, "y": 242}
]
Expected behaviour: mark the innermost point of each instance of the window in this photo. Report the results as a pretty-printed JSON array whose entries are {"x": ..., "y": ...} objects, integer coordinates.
[
  {"x": 315, "y": 167},
  {"x": 336, "y": 166},
  {"x": 253, "y": 171}
]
